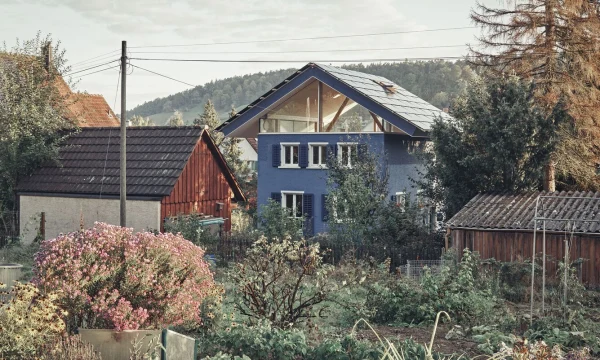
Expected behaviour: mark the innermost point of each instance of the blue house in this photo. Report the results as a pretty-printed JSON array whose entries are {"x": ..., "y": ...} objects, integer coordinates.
[{"x": 322, "y": 110}]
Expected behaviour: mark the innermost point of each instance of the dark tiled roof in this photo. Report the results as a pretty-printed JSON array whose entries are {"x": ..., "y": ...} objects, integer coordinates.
[
  {"x": 89, "y": 162},
  {"x": 254, "y": 143},
  {"x": 516, "y": 211}
]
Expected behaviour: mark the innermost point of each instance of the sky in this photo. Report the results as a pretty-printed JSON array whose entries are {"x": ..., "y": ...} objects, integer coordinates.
[{"x": 90, "y": 28}]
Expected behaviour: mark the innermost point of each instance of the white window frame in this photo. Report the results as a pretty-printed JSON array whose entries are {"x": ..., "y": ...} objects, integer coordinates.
[
  {"x": 284, "y": 201},
  {"x": 323, "y": 148},
  {"x": 401, "y": 199},
  {"x": 283, "y": 152},
  {"x": 350, "y": 145}
]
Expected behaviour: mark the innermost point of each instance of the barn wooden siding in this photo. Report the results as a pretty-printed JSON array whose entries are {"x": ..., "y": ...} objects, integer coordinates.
[
  {"x": 201, "y": 185},
  {"x": 516, "y": 246}
]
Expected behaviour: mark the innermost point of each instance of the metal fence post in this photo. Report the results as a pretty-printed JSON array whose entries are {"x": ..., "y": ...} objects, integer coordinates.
[{"x": 43, "y": 225}]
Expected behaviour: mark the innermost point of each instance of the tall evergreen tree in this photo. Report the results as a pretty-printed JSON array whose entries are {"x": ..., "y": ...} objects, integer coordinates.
[
  {"x": 555, "y": 43},
  {"x": 499, "y": 140},
  {"x": 232, "y": 154},
  {"x": 210, "y": 118}
]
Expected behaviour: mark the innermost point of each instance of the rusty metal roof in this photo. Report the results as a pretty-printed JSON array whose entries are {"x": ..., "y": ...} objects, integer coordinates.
[
  {"x": 89, "y": 162},
  {"x": 508, "y": 211}
]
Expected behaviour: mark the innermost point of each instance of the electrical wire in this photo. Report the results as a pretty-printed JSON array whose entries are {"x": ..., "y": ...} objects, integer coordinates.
[
  {"x": 308, "y": 38},
  {"x": 95, "y": 57},
  {"x": 296, "y": 51},
  {"x": 90, "y": 68},
  {"x": 303, "y": 60},
  {"x": 165, "y": 76},
  {"x": 101, "y": 70}
]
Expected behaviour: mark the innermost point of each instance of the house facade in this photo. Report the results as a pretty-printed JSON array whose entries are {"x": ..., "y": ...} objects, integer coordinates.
[
  {"x": 320, "y": 111},
  {"x": 170, "y": 171}
]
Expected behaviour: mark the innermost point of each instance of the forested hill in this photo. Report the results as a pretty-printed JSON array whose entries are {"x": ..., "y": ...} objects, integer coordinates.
[{"x": 435, "y": 81}]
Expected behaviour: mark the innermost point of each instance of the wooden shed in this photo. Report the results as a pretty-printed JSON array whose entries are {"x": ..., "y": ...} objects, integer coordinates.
[
  {"x": 170, "y": 171},
  {"x": 501, "y": 226}
]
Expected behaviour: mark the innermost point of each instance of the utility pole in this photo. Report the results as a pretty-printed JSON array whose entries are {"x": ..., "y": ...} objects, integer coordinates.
[{"x": 123, "y": 162}]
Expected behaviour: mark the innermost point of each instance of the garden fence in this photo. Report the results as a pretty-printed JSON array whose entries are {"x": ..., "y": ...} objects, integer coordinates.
[
  {"x": 9, "y": 227},
  {"x": 415, "y": 269},
  {"x": 232, "y": 249}
]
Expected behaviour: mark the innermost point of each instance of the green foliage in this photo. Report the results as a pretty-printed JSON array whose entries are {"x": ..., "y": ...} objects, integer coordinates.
[
  {"x": 499, "y": 140},
  {"x": 69, "y": 348},
  {"x": 191, "y": 228},
  {"x": 275, "y": 222},
  {"x": 176, "y": 119},
  {"x": 137, "y": 120},
  {"x": 358, "y": 206},
  {"x": 32, "y": 112},
  {"x": 281, "y": 281},
  {"x": 17, "y": 253}
]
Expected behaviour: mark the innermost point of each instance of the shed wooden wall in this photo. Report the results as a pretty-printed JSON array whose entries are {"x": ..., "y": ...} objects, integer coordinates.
[
  {"x": 201, "y": 185},
  {"x": 514, "y": 246}
]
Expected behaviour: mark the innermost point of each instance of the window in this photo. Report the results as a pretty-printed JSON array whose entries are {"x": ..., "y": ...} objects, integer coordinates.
[
  {"x": 292, "y": 201},
  {"x": 289, "y": 155},
  {"x": 317, "y": 155},
  {"x": 400, "y": 198},
  {"x": 347, "y": 153},
  {"x": 424, "y": 207}
]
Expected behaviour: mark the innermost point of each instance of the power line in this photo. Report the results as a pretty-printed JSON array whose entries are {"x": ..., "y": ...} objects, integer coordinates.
[
  {"x": 304, "y": 60},
  {"x": 101, "y": 70},
  {"x": 90, "y": 68},
  {"x": 309, "y": 38},
  {"x": 92, "y": 63},
  {"x": 165, "y": 76},
  {"x": 95, "y": 57},
  {"x": 296, "y": 51}
]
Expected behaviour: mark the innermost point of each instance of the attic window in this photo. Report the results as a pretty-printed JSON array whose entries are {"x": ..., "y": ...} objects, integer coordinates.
[
  {"x": 109, "y": 114},
  {"x": 388, "y": 88}
]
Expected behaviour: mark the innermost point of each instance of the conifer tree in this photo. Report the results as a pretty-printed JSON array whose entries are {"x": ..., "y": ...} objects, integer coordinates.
[
  {"x": 176, "y": 119},
  {"x": 210, "y": 118},
  {"x": 556, "y": 44}
]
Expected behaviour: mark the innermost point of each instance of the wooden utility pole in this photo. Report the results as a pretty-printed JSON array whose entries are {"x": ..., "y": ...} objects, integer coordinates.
[{"x": 123, "y": 160}]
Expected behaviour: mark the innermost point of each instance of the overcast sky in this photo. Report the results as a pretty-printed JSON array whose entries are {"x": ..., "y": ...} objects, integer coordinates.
[{"x": 88, "y": 28}]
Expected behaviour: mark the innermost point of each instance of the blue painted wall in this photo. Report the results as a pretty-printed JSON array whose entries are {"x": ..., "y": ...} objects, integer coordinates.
[{"x": 395, "y": 148}]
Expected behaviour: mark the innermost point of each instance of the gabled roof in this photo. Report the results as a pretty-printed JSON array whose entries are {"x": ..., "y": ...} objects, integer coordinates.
[
  {"x": 508, "y": 211},
  {"x": 156, "y": 156},
  {"x": 379, "y": 95}
]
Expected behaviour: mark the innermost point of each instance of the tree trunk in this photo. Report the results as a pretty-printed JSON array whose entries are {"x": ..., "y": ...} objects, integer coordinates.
[{"x": 549, "y": 183}]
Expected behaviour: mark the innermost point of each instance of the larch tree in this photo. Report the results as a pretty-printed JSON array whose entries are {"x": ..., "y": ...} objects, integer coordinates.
[
  {"x": 33, "y": 110},
  {"x": 555, "y": 43}
]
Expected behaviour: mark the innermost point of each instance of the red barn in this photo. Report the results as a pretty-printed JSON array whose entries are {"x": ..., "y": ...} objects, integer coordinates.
[{"x": 170, "y": 171}]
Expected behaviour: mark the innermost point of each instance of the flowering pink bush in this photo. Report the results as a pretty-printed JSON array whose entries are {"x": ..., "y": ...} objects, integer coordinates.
[{"x": 109, "y": 277}]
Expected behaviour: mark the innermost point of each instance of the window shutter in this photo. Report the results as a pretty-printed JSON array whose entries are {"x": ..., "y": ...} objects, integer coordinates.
[
  {"x": 362, "y": 150},
  {"x": 276, "y": 153},
  {"x": 276, "y": 197},
  {"x": 331, "y": 151},
  {"x": 324, "y": 212},
  {"x": 308, "y": 208},
  {"x": 394, "y": 198},
  {"x": 303, "y": 156}
]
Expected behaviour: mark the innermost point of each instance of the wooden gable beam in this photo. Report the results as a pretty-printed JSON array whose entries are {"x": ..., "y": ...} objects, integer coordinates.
[
  {"x": 338, "y": 114},
  {"x": 377, "y": 121}
]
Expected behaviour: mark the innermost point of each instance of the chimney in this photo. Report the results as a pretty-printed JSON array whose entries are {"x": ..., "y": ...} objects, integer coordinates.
[{"x": 47, "y": 53}]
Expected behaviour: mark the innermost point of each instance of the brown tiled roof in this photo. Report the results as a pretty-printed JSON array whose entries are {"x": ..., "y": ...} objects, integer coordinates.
[
  {"x": 92, "y": 110},
  {"x": 508, "y": 211},
  {"x": 89, "y": 162},
  {"x": 254, "y": 143}
]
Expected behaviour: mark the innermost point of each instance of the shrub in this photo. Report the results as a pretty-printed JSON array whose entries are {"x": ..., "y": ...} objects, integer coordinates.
[
  {"x": 275, "y": 222},
  {"x": 69, "y": 348},
  {"x": 18, "y": 253},
  {"x": 109, "y": 277},
  {"x": 281, "y": 281},
  {"x": 28, "y": 321},
  {"x": 192, "y": 229}
]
